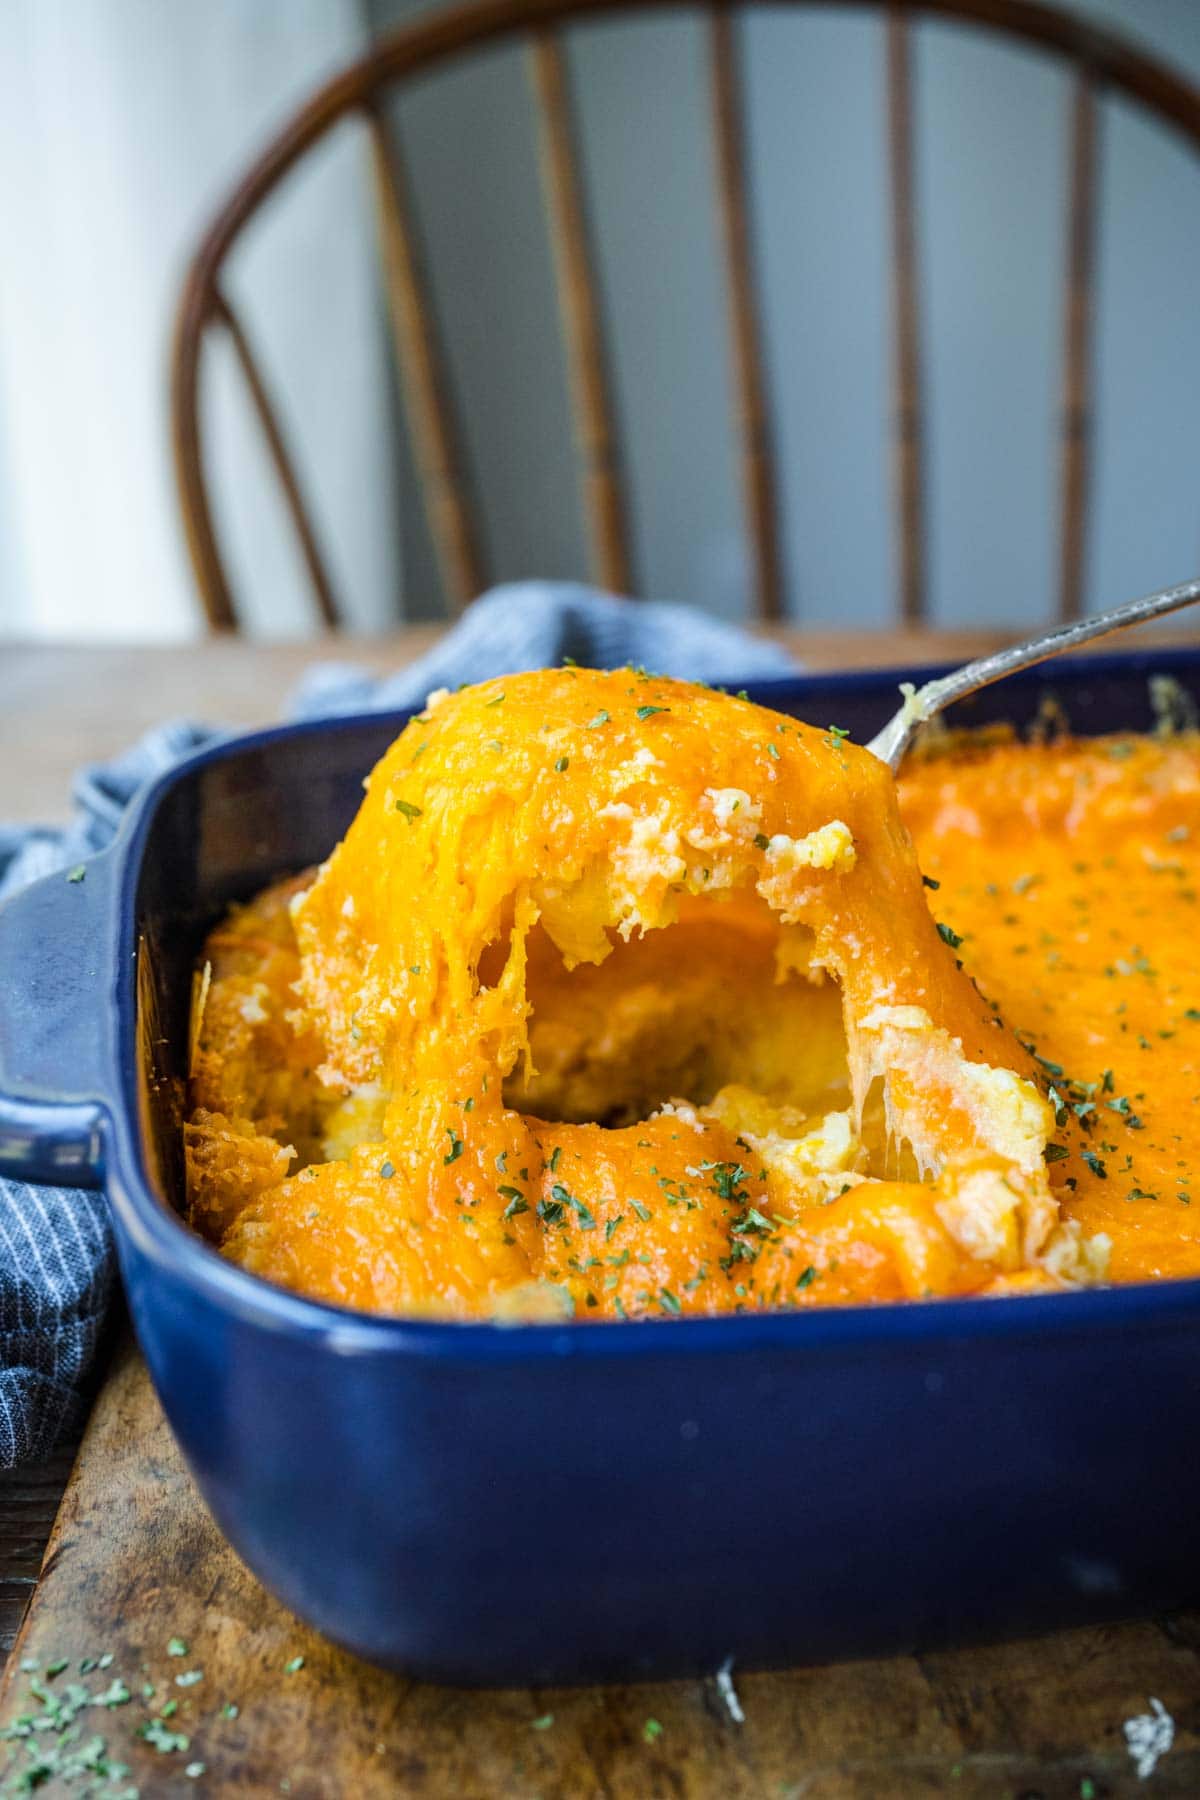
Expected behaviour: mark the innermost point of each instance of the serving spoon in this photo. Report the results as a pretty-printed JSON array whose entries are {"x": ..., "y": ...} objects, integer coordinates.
[{"x": 925, "y": 703}]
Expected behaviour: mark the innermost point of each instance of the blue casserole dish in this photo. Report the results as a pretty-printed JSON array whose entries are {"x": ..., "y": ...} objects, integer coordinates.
[{"x": 485, "y": 1505}]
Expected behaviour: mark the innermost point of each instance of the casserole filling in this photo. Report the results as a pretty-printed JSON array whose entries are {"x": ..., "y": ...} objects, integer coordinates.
[{"x": 623, "y": 998}]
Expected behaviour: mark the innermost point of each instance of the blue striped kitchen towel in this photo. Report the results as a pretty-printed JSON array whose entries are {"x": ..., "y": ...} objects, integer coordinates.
[{"x": 57, "y": 1266}]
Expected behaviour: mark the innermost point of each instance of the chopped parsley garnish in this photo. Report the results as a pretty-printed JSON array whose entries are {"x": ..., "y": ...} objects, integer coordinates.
[
  {"x": 645, "y": 712},
  {"x": 387, "y": 1170},
  {"x": 601, "y": 718},
  {"x": 410, "y": 811},
  {"x": 751, "y": 1221},
  {"x": 643, "y": 1212},
  {"x": 550, "y": 1212},
  {"x": 456, "y": 1145},
  {"x": 294, "y": 1666},
  {"x": 668, "y": 1302},
  {"x": 1056, "y": 1152},
  {"x": 727, "y": 1179},
  {"x": 544, "y": 1723},
  {"x": 652, "y": 1731},
  {"x": 177, "y": 1647},
  {"x": 931, "y": 883},
  {"x": 838, "y": 733},
  {"x": 807, "y": 1278},
  {"x": 517, "y": 1203},
  {"x": 552, "y": 1165},
  {"x": 77, "y": 874},
  {"x": 498, "y": 701},
  {"x": 562, "y": 765},
  {"x": 611, "y": 1227},
  {"x": 567, "y": 1198},
  {"x": 949, "y": 936},
  {"x": 1095, "y": 1164},
  {"x": 761, "y": 841}
]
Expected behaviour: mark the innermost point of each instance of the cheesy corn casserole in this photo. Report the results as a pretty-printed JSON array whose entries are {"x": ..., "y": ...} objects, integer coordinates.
[{"x": 623, "y": 999}]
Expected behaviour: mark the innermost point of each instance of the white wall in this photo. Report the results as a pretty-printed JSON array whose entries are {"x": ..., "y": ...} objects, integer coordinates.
[
  {"x": 991, "y": 164},
  {"x": 122, "y": 123},
  {"x": 123, "y": 120}
]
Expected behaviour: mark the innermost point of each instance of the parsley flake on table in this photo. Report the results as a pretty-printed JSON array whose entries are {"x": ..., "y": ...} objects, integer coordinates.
[{"x": 161, "y": 1738}]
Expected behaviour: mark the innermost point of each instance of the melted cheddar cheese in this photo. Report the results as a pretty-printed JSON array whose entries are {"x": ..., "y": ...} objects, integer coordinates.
[
  {"x": 622, "y": 998},
  {"x": 1071, "y": 870}
]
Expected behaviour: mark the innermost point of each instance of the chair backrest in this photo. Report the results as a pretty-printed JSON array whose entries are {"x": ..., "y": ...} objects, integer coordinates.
[{"x": 1100, "y": 61}]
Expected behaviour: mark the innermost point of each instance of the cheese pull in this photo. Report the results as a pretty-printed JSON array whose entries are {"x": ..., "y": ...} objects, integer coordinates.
[{"x": 622, "y": 998}]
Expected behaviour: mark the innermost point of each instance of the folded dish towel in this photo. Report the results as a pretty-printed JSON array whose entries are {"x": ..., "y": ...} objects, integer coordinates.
[{"x": 56, "y": 1258}]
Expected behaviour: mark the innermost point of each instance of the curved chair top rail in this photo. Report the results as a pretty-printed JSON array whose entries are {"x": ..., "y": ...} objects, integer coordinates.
[{"x": 1102, "y": 60}]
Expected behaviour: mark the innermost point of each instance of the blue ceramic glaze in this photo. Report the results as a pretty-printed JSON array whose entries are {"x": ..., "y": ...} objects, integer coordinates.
[{"x": 544, "y": 1504}]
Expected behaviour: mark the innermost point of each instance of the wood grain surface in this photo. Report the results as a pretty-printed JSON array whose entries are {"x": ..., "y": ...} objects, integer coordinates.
[
  {"x": 135, "y": 1561},
  {"x": 64, "y": 706}
]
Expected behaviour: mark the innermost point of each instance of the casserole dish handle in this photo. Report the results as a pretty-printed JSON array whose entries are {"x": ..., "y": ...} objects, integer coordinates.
[{"x": 57, "y": 1024}]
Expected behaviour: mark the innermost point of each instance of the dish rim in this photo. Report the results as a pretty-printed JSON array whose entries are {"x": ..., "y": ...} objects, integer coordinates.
[{"x": 163, "y": 1235}]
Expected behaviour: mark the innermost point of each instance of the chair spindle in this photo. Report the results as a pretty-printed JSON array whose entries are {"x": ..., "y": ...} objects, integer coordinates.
[
  {"x": 1077, "y": 357},
  {"x": 284, "y": 467},
  {"x": 753, "y": 418},
  {"x": 587, "y": 359},
  {"x": 908, "y": 430},
  {"x": 449, "y": 501}
]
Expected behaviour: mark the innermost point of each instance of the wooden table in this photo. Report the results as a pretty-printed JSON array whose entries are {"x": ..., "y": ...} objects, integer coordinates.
[{"x": 135, "y": 1559}]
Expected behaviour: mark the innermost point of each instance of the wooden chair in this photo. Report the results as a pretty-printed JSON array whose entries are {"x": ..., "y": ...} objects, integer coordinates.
[{"x": 1100, "y": 61}]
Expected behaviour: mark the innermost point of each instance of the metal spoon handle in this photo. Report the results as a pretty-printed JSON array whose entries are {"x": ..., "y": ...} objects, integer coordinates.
[{"x": 925, "y": 703}]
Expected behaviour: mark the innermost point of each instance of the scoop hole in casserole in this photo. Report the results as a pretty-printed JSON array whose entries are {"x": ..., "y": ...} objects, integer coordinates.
[{"x": 679, "y": 1014}]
